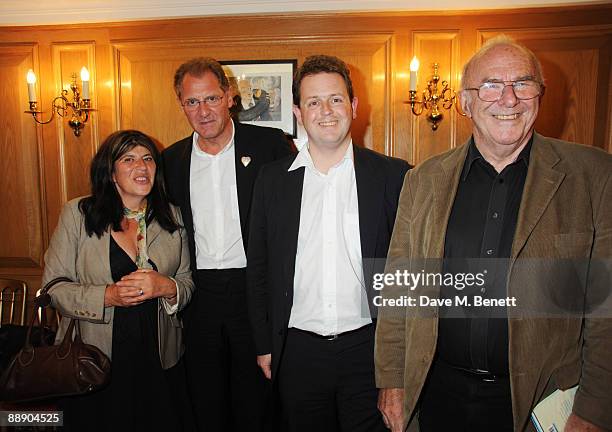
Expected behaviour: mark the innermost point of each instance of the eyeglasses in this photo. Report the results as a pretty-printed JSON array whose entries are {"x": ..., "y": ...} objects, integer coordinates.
[
  {"x": 192, "y": 104},
  {"x": 491, "y": 91}
]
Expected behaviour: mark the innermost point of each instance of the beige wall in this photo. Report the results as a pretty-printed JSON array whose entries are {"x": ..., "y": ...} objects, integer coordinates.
[{"x": 132, "y": 65}]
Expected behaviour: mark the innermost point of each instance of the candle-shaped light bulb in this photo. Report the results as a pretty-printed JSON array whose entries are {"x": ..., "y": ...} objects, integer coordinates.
[
  {"x": 85, "y": 79},
  {"x": 31, "y": 79},
  {"x": 414, "y": 67}
]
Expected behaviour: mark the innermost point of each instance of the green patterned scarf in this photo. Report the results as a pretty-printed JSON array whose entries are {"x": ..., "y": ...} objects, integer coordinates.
[{"x": 142, "y": 259}]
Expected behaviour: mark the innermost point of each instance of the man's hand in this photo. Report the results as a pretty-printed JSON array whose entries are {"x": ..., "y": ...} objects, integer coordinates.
[
  {"x": 265, "y": 363},
  {"x": 391, "y": 405},
  {"x": 578, "y": 424}
]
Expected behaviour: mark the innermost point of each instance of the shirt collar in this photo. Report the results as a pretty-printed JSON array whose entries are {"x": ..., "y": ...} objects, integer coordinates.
[
  {"x": 198, "y": 151},
  {"x": 304, "y": 159},
  {"x": 474, "y": 154}
]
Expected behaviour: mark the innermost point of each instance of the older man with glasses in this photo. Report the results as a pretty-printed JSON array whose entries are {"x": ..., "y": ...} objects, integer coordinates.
[
  {"x": 210, "y": 175},
  {"x": 531, "y": 216}
]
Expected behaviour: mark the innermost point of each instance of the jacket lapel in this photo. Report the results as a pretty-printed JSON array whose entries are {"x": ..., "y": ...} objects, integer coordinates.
[
  {"x": 540, "y": 186},
  {"x": 370, "y": 195},
  {"x": 185, "y": 179},
  {"x": 444, "y": 187},
  {"x": 101, "y": 247},
  {"x": 370, "y": 192},
  {"x": 153, "y": 232},
  {"x": 291, "y": 199},
  {"x": 245, "y": 177}
]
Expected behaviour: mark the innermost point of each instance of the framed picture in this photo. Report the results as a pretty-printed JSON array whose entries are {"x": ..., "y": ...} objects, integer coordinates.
[{"x": 262, "y": 92}]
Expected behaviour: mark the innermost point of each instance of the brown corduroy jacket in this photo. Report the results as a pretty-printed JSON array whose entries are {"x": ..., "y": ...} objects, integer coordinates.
[{"x": 560, "y": 333}]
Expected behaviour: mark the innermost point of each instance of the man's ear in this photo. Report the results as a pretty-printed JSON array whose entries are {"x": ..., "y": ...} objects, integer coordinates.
[
  {"x": 298, "y": 114},
  {"x": 354, "y": 104},
  {"x": 542, "y": 93},
  {"x": 465, "y": 98},
  {"x": 229, "y": 95}
]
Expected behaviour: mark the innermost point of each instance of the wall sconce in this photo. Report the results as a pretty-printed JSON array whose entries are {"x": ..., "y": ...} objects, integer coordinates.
[
  {"x": 80, "y": 106},
  {"x": 431, "y": 99}
]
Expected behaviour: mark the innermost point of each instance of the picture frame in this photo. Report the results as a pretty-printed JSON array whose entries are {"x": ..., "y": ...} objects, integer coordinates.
[{"x": 262, "y": 92}]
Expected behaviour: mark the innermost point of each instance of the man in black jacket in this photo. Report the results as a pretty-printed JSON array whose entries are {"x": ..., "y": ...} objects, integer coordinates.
[
  {"x": 316, "y": 218},
  {"x": 210, "y": 175}
]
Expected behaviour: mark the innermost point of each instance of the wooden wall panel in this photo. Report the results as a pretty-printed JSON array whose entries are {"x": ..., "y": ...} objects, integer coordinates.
[
  {"x": 368, "y": 56},
  {"x": 145, "y": 94},
  {"x": 441, "y": 48},
  {"x": 147, "y": 100},
  {"x": 606, "y": 127},
  {"x": 20, "y": 194},
  {"x": 379, "y": 93},
  {"x": 400, "y": 135},
  {"x": 75, "y": 153}
]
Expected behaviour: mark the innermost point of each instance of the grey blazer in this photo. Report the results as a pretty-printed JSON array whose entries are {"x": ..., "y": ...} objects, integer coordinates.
[{"x": 85, "y": 260}]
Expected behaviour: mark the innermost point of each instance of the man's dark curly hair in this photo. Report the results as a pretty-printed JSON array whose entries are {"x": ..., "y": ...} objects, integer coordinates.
[{"x": 317, "y": 64}]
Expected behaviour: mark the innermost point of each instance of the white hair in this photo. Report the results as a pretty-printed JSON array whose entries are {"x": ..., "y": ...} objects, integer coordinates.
[{"x": 497, "y": 41}]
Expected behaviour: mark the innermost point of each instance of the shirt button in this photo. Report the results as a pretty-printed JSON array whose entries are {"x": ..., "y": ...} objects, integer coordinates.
[
  {"x": 495, "y": 215},
  {"x": 489, "y": 251},
  {"x": 501, "y": 181},
  {"x": 483, "y": 289}
]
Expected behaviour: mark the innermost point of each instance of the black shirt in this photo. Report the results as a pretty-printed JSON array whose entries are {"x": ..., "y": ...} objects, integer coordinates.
[{"x": 479, "y": 239}]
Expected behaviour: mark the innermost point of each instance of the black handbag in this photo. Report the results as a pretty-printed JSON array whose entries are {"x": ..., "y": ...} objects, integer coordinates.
[{"x": 50, "y": 371}]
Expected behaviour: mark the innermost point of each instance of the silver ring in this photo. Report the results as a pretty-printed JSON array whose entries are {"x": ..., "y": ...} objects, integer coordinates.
[{"x": 141, "y": 292}]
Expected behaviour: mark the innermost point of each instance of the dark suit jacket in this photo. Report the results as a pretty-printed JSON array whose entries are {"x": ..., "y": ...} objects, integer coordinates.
[
  {"x": 564, "y": 230},
  {"x": 275, "y": 221},
  {"x": 261, "y": 144}
]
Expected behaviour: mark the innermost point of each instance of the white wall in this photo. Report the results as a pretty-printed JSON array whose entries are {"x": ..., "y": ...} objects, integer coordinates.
[{"x": 34, "y": 12}]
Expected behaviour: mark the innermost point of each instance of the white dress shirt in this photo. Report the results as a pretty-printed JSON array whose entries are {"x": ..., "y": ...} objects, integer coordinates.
[
  {"x": 214, "y": 207},
  {"x": 329, "y": 296}
]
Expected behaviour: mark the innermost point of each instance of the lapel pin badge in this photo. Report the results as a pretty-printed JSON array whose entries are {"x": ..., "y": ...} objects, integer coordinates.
[{"x": 246, "y": 160}]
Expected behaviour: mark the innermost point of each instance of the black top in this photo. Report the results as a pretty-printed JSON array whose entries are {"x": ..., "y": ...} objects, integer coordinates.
[
  {"x": 479, "y": 239},
  {"x": 141, "y": 395}
]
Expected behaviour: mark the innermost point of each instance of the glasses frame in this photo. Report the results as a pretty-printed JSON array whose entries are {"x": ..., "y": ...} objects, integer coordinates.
[
  {"x": 505, "y": 83},
  {"x": 206, "y": 101}
]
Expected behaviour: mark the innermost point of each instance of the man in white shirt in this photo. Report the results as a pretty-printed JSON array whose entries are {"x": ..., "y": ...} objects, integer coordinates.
[
  {"x": 210, "y": 175},
  {"x": 316, "y": 218}
]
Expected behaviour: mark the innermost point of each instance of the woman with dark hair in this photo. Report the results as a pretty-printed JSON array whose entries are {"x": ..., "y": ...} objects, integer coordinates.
[{"x": 127, "y": 255}]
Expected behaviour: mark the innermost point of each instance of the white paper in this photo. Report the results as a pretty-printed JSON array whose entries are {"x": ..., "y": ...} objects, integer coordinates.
[{"x": 552, "y": 413}]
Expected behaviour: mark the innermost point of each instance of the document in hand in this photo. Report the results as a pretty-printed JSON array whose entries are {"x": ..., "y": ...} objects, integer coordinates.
[{"x": 552, "y": 413}]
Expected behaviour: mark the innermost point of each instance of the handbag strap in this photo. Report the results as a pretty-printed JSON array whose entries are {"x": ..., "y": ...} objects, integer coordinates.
[
  {"x": 66, "y": 345},
  {"x": 42, "y": 301}
]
